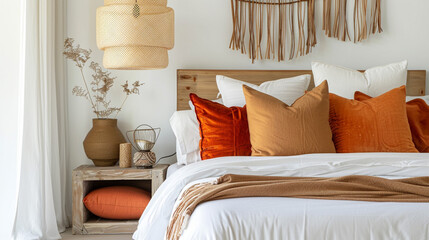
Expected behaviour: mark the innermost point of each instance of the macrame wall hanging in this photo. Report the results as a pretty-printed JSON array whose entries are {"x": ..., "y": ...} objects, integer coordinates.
[
  {"x": 273, "y": 28},
  {"x": 270, "y": 29},
  {"x": 338, "y": 28}
]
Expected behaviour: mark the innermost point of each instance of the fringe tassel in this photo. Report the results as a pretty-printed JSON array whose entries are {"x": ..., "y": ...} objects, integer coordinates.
[
  {"x": 187, "y": 201},
  {"x": 360, "y": 20},
  {"x": 269, "y": 51},
  {"x": 326, "y": 25},
  {"x": 375, "y": 24},
  {"x": 311, "y": 29},
  {"x": 180, "y": 217},
  {"x": 339, "y": 28},
  {"x": 289, "y": 21}
]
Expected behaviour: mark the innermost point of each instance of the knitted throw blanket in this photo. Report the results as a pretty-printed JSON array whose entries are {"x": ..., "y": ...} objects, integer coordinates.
[{"x": 356, "y": 188}]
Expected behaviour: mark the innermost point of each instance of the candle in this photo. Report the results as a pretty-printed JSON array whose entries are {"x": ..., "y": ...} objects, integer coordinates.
[{"x": 125, "y": 155}]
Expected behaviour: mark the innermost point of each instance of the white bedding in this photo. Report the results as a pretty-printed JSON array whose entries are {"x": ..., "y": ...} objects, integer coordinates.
[
  {"x": 173, "y": 168},
  {"x": 291, "y": 218}
]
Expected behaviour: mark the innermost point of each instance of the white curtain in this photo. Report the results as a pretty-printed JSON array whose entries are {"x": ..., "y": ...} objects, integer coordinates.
[{"x": 41, "y": 149}]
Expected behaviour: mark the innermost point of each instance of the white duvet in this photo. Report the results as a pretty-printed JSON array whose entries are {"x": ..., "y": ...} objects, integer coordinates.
[{"x": 292, "y": 218}]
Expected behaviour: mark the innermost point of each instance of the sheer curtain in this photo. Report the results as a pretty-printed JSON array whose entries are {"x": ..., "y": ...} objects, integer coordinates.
[{"x": 41, "y": 148}]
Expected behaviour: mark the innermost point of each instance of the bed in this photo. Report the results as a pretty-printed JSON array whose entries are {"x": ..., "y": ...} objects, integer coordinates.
[
  {"x": 288, "y": 218},
  {"x": 173, "y": 168}
]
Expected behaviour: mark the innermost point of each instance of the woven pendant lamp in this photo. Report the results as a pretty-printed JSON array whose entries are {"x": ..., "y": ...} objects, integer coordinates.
[{"x": 135, "y": 34}]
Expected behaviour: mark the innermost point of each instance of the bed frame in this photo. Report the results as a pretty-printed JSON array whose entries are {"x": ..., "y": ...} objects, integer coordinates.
[{"x": 203, "y": 82}]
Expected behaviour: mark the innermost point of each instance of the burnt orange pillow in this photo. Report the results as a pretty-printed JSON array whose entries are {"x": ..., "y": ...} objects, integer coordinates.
[
  {"x": 418, "y": 118},
  {"x": 277, "y": 129},
  {"x": 224, "y": 131},
  {"x": 375, "y": 125},
  {"x": 117, "y": 202}
]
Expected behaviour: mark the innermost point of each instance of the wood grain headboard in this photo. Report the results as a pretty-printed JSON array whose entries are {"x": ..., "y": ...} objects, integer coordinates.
[{"x": 203, "y": 82}]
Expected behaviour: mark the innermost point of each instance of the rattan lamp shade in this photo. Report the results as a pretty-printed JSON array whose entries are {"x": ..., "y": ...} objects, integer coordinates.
[{"x": 135, "y": 38}]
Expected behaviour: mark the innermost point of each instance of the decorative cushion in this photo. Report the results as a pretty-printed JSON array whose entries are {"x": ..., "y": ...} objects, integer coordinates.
[
  {"x": 187, "y": 131},
  {"x": 375, "y": 125},
  {"x": 373, "y": 82},
  {"x": 285, "y": 89},
  {"x": 418, "y": 118},
  {"x": 117, "y": 202},
  {"x": 277, "y": 129},
  {"x": 224, "y": 131}
]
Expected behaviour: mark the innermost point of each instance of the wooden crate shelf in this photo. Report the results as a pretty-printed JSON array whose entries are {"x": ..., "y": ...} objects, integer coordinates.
[
  {"x": 87, "y": 178},
  {"x": 106, "y": 226}
]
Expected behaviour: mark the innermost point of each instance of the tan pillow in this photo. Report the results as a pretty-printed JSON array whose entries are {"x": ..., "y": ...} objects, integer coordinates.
[{"x": 277, "y": 129}]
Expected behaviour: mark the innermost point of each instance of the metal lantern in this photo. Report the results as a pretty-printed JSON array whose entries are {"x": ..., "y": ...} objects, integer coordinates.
[{"x": 143, "y": 140}]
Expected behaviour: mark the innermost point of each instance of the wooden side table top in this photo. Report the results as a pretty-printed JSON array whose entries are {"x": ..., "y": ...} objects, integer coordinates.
[{"x": 91, "y": 172}]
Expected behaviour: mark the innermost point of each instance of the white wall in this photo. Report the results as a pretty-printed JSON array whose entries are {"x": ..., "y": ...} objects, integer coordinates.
[
  {"x": 9, "y": 70},
  {"x": 203, "y": 29}
]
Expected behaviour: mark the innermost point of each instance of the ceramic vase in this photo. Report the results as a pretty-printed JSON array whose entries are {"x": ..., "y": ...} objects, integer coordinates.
[{"x": 102, "y": 142}]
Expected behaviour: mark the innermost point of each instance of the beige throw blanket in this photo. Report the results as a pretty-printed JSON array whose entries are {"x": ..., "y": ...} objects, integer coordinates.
[{"x": 356, "y": 188}]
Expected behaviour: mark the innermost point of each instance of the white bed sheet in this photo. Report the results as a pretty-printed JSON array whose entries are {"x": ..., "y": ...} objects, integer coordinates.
[
  {"x": 173, "y": 168},
  {"x": 291, "y": 218}
]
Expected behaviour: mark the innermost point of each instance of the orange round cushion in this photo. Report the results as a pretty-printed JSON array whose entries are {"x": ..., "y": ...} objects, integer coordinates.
[{"x": 117, "y": 202}]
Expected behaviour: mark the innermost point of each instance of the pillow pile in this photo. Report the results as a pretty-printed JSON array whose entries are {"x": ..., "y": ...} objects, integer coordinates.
[
  {"x": 375, "y": 82},
  {"x": 359, "y": 112},
  {"x": 186, "y": 126}
]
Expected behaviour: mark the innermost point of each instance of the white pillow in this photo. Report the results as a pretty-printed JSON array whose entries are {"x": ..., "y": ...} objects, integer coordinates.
[
  {"x": 285, "y": 89},
  {"x": 186, "y": 158},
  {"x": 425, "y": 98},
  {"x": 185, "y": 127},
  {"x": 373, "y": 82}
]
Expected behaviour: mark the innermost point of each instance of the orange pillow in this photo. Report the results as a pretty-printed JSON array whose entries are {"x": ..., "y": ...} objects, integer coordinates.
[
  {"x": 224, "y": 131},
  {"x": 277, "y": 129},
  {"x": 379, "y": 124},
  {"x": 418, "y": 118},
  {"x": 117, "y": 202}
]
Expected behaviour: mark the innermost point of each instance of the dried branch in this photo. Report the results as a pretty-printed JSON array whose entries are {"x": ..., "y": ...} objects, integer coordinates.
[
  {"x": 101, "y": 77},
  {"x": 134, "y": 89},
  {"x": 100, "y": 85},
  {"x": 80, "y": 92},
  {"x": 107, "y": 112},
  {"x": 87, "y": 90},
  {"x": 102, "y": 101},
  {"x": 75, "y": 53}
]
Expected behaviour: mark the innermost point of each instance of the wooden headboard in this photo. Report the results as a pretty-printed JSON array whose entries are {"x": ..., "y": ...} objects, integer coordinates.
[{"x": 203, "y": 82}]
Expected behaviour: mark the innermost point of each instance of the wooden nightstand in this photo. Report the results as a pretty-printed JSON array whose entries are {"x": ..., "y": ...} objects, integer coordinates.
[{"x": 87, "y": 178}]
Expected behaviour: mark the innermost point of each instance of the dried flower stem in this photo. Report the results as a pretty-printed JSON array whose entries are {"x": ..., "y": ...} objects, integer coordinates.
[
  {"x": 89, "y": 93},
  {"x": 123, "y": 102},
  {"x": 100, "y": 85}
]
